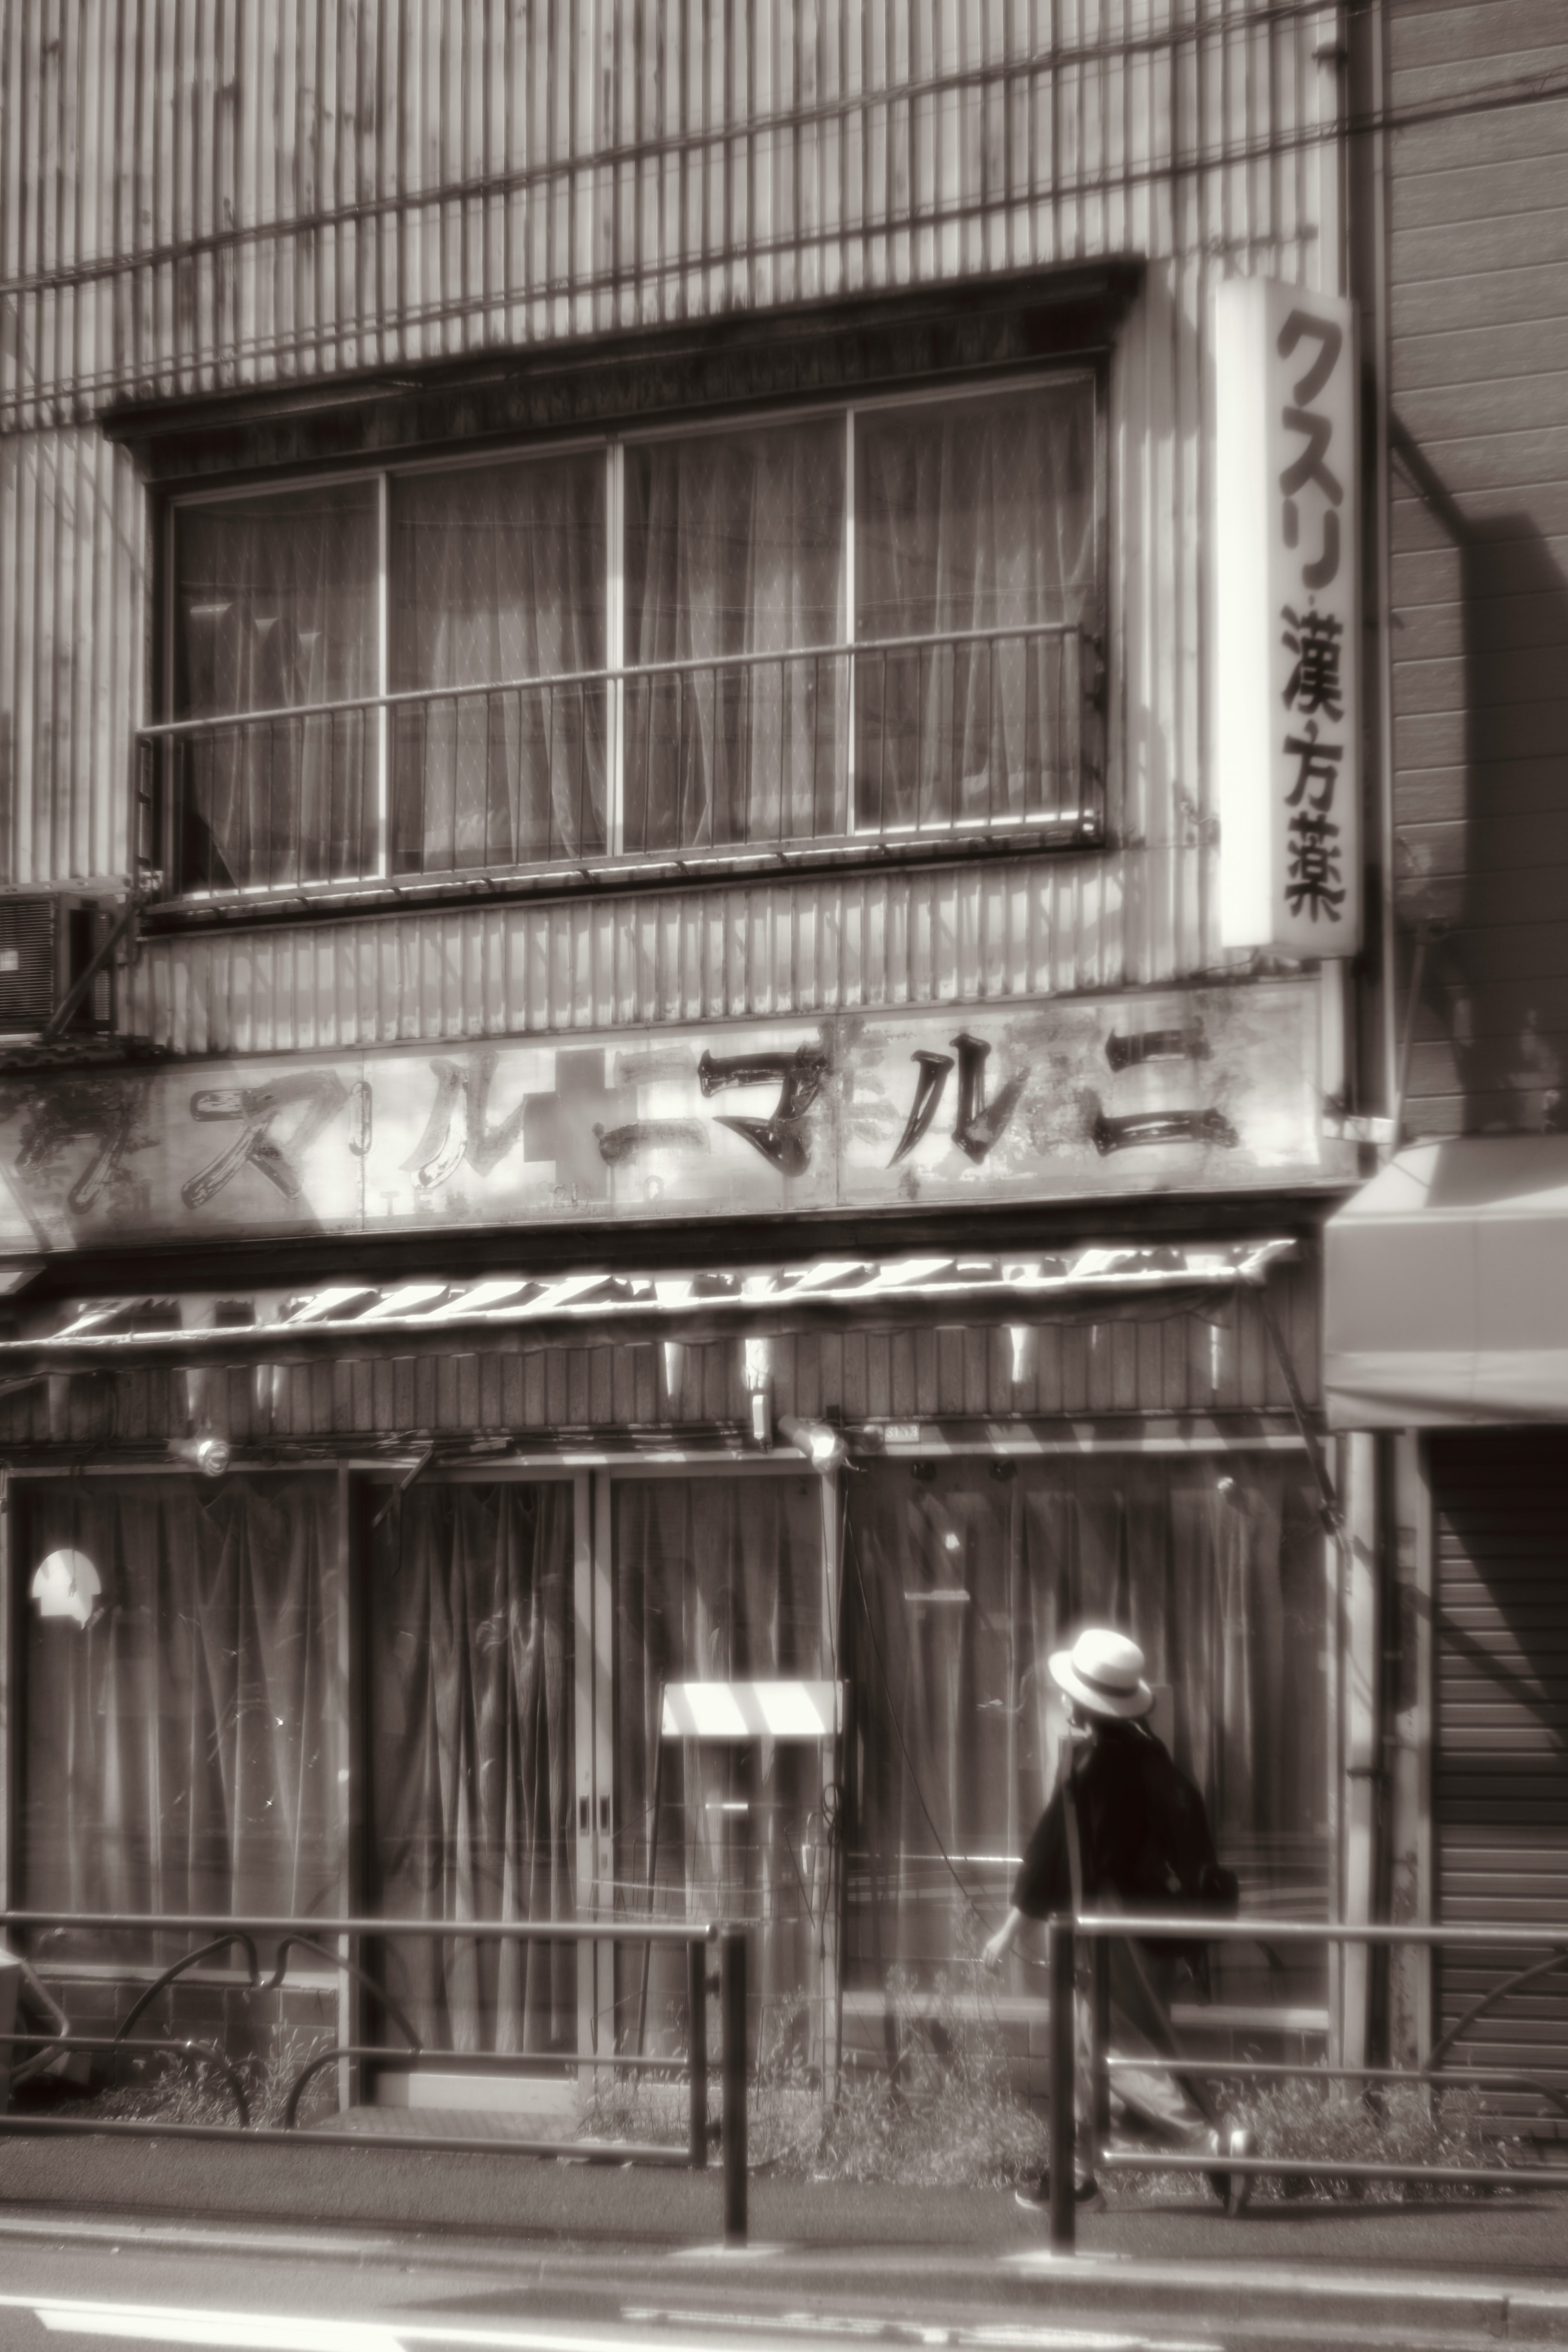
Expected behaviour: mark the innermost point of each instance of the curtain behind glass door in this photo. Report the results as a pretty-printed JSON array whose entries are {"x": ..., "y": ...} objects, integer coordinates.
[
  {"x": 180, "y": 1750},
  {"x": 715, "y": 1580},
  {"x": 468, "y": 1630},
  {"x": 959, "y": 1588}
]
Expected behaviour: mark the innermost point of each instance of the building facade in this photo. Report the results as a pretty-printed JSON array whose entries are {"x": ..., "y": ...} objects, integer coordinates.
[
  {"x": 1446, "y": 1305},
  {"x": 664, "y": 1108}
]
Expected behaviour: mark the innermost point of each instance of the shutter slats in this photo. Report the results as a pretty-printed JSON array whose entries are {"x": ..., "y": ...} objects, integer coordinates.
[{"x": 1501, "y": 1761}]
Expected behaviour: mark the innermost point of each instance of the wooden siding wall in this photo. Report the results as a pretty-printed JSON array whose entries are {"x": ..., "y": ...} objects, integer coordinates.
[
  {"x": 1480, "y": 395},
  {"x": 201, "y": 196},
  {"x": 1184, "y": 1365}
]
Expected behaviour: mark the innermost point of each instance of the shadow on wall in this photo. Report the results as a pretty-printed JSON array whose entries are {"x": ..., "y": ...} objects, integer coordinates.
[{"x": 1481, "y": 879}]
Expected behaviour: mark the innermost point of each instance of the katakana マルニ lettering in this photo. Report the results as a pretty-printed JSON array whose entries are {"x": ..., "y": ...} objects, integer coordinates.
[
  {"x": 785, "y": 1138},
  {"x": 319, "y": 1094},
  {"x": 1314, "y": 682},
  {"x": 1317, "y": 771},
  {"x": 977, "y": 1125},
  {"x": 1314, "y": 882}
]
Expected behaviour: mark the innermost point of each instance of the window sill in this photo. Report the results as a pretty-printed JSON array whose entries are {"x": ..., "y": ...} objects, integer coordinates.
[{"x": 698, "y": 869}]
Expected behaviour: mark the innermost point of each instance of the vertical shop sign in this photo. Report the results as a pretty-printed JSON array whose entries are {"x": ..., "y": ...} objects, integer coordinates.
[{"x": 1286, "y": 642}]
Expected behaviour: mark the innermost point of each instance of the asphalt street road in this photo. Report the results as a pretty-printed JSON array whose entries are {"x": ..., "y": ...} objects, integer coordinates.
[{"x": 72, "y": 2297}]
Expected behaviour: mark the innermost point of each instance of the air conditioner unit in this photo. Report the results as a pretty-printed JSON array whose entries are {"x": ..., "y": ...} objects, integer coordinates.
[
  {"x": 30, "y": 957},
  {"x": 47, "y": 939}
]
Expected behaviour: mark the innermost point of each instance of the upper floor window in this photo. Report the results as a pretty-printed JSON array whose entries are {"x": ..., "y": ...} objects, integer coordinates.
[{"x": 874, "y": 623}]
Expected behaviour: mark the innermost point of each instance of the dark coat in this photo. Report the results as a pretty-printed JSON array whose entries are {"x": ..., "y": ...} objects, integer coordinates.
[{"x": 1144, "y": 1835}]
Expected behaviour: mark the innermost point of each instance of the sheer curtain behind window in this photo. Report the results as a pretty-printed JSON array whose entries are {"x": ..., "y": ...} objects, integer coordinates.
[
  {"x": 959, "y": 1590},
  {"x": 468, "y": 1624},
  {"x": 972, "y": 516},
  {"x": 734, "y": 548},
  {"x": 715, "y": 1579},
  {"x": 181, "y": 1751},
  {"x": 275, "y": 604},
  {"x": 497, "y": 575}
]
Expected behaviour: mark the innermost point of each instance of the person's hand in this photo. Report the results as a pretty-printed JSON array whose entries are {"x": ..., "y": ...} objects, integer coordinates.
[{"x": 996, "y": 1948}]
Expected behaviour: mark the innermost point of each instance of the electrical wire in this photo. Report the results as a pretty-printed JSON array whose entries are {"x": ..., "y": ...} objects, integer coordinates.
[{"x": 696, "y": 144}]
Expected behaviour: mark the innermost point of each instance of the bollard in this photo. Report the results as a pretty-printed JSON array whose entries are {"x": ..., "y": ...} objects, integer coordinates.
[
  {"x": 732, "y": 2005},
  {"x": 1063, "y": 2104},
  {"x": 696, "y": 2008},
  {"x": 1100, "y": 2076}
]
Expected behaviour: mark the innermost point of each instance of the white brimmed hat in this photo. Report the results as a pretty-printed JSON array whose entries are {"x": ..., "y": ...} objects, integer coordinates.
[{"x": 1103, "y": 1671}]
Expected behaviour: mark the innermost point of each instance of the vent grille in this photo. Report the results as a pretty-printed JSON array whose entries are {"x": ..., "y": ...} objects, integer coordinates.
[{"x": 29, "y": 952}]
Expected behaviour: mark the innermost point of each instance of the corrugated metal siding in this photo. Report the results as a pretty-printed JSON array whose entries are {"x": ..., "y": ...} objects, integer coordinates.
[
  {"x": 808, "y": 946},
  {"x": 1479, "y": 381},
  {"x": 1500, "y": 1779},
  {"x": 72, "y": 543},
  {"x": 192, "y": 198},
  {"x": 1182, "y": 1364},
  {"x": 198, "y": 196}
]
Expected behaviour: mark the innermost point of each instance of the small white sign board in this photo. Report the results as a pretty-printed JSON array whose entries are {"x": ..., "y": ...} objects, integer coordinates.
[{"x": 753, "y": 1710}]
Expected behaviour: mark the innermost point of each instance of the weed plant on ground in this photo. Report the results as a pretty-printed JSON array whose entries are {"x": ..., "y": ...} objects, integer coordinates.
[
  {"x": 165, "y": 2090},
  {"x": 942, "y": 2114}
]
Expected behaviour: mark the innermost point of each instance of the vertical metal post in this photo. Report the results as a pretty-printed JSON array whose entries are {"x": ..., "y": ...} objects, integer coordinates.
[
  {"x": 696, "y": 2048},
  {"x": 732, "y": 2003},
  {"x": 1064, "y": 2107},
  {"x": 1099, "y": 2119}
]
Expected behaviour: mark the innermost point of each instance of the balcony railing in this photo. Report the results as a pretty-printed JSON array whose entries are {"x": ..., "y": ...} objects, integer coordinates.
[{"x": 908, "y": 740}]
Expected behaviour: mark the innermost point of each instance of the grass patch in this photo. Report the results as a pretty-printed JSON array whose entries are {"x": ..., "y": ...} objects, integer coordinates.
[
  {"x": 162, "y": 2089},
  {"x": 945, "y": 2115}
]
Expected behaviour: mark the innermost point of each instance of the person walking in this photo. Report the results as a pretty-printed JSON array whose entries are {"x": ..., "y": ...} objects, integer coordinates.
[{"x": 1125, "y": 1829}]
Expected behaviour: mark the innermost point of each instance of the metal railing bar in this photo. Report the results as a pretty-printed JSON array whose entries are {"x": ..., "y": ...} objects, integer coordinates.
[
  {"x": 537, "y": 1931},
  {"x": 547, "y": 681},
  {"x": 1261, "y": 2070},
  {"x": 1067, "y": 826},
  {"x": 1198, "y": 1926},
  {"x": 1322, "y": 2167},
  {"x": 578, "y": 2151},
  {"x": 1217, "y": 2162}
]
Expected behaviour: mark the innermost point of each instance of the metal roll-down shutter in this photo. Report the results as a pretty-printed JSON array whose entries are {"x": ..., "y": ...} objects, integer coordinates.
[{"x": 1500, "y": 1761}]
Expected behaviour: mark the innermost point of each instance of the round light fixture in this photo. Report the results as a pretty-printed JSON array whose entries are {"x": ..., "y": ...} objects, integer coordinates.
[{"x": 66, "y": 1584}]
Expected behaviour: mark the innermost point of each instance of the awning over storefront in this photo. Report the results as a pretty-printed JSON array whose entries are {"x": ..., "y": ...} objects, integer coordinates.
[
  {"x": 1445, "y": 1288},
  {"x": 344, "y": 1320}
]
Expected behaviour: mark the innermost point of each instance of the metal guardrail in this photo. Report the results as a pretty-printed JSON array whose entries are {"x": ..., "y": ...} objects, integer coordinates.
[
  {"x": 1099, "y": 1929},
  {"x": 888, "y": 740},
  {"x": 294, "y": 1934}
]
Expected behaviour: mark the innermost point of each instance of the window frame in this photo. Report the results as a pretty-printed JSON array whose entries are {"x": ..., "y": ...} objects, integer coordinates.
[{"x": 852, "y": 841}]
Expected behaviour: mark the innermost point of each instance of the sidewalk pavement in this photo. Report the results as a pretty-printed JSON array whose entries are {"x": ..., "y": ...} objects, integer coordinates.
[{"x": 1496, "y": 2266}]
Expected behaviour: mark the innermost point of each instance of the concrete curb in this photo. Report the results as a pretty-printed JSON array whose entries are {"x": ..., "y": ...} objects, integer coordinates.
[{"x": 1382, "y": 2304}]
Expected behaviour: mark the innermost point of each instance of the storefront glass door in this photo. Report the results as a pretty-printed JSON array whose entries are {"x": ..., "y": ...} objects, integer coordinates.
[
  {"x": 717, "y": 1578},
  {"x": 470, "y": 1743}
]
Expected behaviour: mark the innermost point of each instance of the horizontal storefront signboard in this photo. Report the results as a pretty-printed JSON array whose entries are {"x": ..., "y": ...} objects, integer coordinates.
[{"x": 1208, "y": 1090}]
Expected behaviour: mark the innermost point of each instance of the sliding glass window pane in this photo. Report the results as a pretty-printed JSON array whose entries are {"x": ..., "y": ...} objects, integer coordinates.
[
  {"x": 733, "y": 561},
  {"x": 274, "y": 609},
  {"x": 974, "y": 515},
  {"x": 498, "y": 584}
]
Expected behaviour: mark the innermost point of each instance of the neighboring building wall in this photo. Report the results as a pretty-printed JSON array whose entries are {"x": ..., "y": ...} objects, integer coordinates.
[
  {"x": 186, "y": 206},
  {"x": 1478, "y": 383}
]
